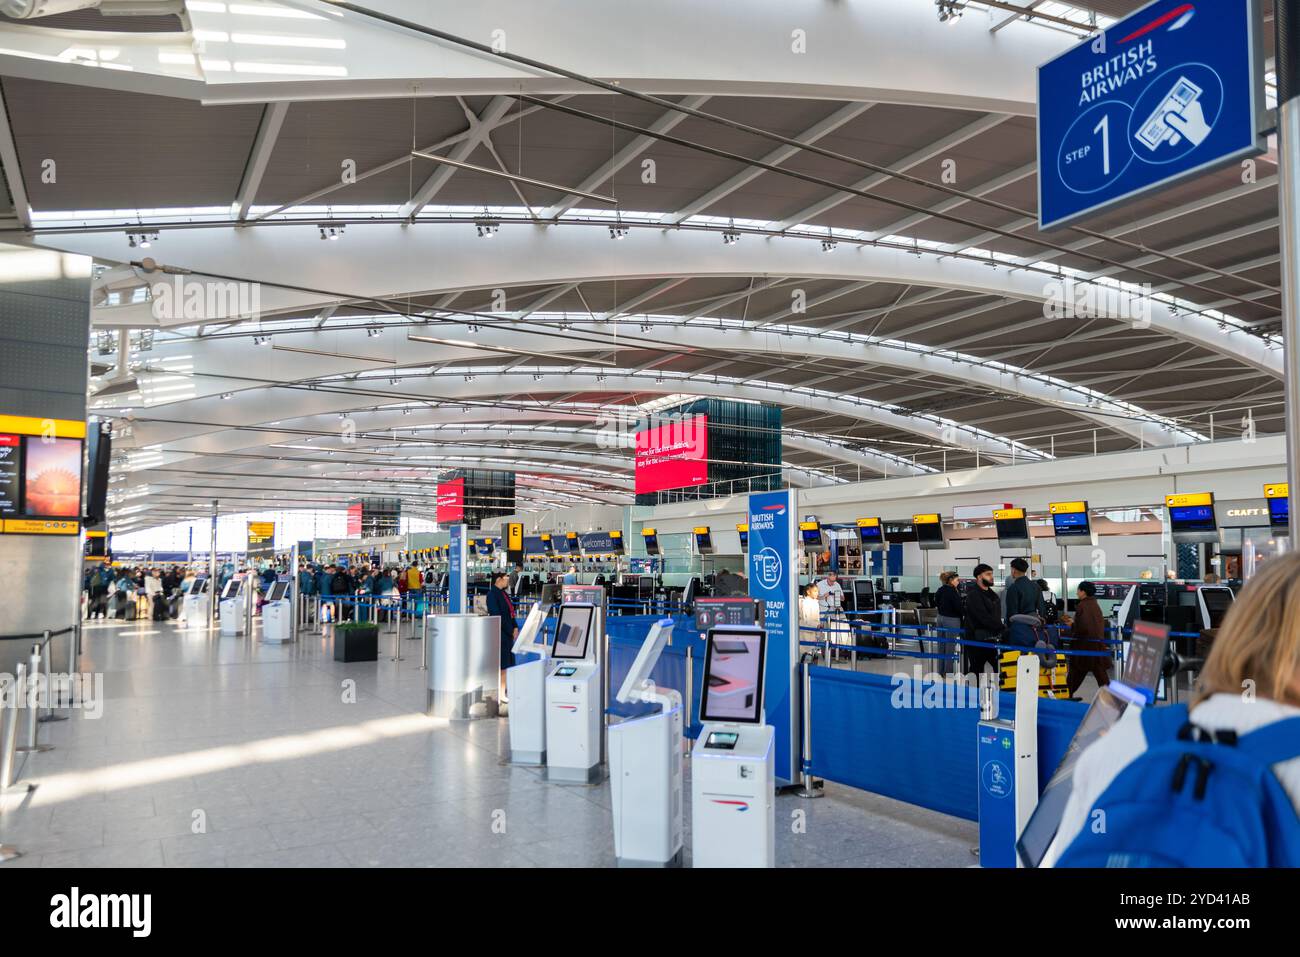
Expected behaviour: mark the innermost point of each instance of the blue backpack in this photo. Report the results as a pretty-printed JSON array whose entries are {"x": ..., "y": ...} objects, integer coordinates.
[{"x": 1196, "y": 798}]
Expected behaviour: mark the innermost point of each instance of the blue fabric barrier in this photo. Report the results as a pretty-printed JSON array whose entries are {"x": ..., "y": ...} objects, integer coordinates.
[
  {"x": 626, "y": 635},
  {"x": 920, "y": 755}
]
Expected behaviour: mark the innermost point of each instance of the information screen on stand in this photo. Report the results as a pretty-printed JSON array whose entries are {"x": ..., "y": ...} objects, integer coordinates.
[{"x": 1169, "y": 92}]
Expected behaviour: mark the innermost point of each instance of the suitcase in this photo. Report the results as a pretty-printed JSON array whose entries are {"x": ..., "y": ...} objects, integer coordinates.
[
  {"x": 130, "y": 610},
  {"x": 1051, "y": 681},
  {"x": 160, "y": 607}
]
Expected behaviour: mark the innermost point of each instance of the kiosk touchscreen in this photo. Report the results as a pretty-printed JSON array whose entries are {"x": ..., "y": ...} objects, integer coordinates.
[
  {"x": 733, "y": 774},
  {"x": 573, "y": 699},
  {"x": 277, "y": 614},
  {"x": 526, "y": 688},
  {"x": 645, "y": 764},
  {"x": 1141, "y": 675}
]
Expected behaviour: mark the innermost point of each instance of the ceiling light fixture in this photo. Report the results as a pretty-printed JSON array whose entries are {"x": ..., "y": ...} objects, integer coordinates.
[
  {"x": 730, "y": 237},
  {"x": 144, "y": 239},
  {"x": 487, "y": 228},
  {"x": 618, "y": 231},
  {"x": 330, "y": 232},
  {"x": 949, "y": 11}
]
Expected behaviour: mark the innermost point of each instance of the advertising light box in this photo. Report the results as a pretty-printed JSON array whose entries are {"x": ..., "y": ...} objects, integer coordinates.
[
  {"x": 450, "y": 508},
  {"x": 673, "y": 455},
  {"x": 40, "y": 475}
]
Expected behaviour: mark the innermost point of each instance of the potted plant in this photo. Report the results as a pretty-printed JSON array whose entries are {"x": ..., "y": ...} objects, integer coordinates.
[{"x": 356, "y": 641}]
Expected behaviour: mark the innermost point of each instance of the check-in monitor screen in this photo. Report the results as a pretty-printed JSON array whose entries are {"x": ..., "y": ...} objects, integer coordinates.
[
  {"x": 1071, "y": 525},
  {"x": 277, "y": 591},
  {"x": 930, "y": 532},
  {"x": 733, "y": 675},
  {"x": 1279, "y": 513},
  {"x": 573, "y": 631},
  {"x": 231, "y": 589},
  {"x": 870, "y": 535},
  {"x": 1192, "y": 518}
]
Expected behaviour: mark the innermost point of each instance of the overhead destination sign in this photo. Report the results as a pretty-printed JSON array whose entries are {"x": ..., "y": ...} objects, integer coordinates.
[{"x": 1169, "y": 92}]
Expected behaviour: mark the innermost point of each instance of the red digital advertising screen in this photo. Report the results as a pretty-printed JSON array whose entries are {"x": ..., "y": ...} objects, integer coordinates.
[
  {"x": 354, "y": 519},
  {"x": 52, "y": 483},
  {"x": 451, "y": 502},
  {"x": 673, "y": 455}
]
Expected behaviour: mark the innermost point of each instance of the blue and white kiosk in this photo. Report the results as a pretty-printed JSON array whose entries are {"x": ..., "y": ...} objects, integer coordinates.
[
  {"x": 645, "y": 764},
  {"x": 277, "y": 612},
  {"x": 526, "y": 688}
]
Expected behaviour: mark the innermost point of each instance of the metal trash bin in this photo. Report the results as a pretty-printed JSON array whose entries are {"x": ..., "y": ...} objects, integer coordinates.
[{"x": 463, "y": 657}]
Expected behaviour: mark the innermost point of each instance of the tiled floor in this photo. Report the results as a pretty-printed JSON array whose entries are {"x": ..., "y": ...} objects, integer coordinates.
[{"x": 219, "y": 751}]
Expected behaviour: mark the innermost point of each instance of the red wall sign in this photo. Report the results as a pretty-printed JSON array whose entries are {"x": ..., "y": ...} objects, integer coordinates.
[
  {"x": 673, "y": 455},
  {"x": 354, "y": 519},
  {"x": 451, "y": 502}
]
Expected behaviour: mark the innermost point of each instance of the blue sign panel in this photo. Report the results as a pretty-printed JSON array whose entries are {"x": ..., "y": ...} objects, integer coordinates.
[
  {"x": 997, "y": 794},
  {"x": 1165, "y": 94},
  {"x": 456, "y": 571},
  {"x": 773, "y": 579}
]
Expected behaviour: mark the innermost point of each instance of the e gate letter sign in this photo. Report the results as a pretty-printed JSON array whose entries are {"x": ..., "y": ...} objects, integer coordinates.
[{"x": 1167, "y": 93}]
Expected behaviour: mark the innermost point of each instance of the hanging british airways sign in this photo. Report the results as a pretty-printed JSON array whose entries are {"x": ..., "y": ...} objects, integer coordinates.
[{"x": 1170, "y": 92}]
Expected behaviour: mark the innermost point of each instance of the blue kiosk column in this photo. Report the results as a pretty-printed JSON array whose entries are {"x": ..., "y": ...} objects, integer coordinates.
[
  {"x": 457, "y": 571},
  {"x": 773, "y": 578}
]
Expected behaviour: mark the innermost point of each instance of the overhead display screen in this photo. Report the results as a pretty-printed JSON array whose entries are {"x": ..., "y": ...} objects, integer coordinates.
[
  {"x": 869, "y": 532},
  {"x": 673, "y": 455},
  {"x": 1070, "y": 522},
  {"x": 1192, "y": 517},
  {"x": 450, "y": 509},
  {"x": 929, "y": 531},
  {"x": 11, "y": 452},
  {"x": 1278, "y": 496}
]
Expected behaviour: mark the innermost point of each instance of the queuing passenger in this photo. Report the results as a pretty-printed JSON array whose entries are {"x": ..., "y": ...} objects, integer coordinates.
[
  {"x": 101, "y": 580},
  {"x": 1087, "y": 633},
  {"x": 831, "y": 594},
  {"x": 727, "y": 582},
  {"x": 1049, "y": 613},
  {"x": 1211, "y": 578},
  {"x": 500, "y": 606},
  {"x": 414, "y": 580},
  {"x": 810, "y": 608},
  {"x": 1023, "y": 598},
  {"x": 982, "y": 622},
  {"x": 1258, "y": 647},
  {"x": 571, "y": 576},
  {"x": 948, "y": 602}
]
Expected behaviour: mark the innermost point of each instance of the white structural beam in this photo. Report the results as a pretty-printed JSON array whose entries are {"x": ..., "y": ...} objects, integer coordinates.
[
  {"x": 837, "y": 53},
  {"x": 479, "y": 131},
  {"x": 638, "y": 145},
  {"x": 775, "y": 158},
  {"x": 388, "y": 259},
  {"x": 268, "y": 131},
  {"x": 929, "y": 152}
]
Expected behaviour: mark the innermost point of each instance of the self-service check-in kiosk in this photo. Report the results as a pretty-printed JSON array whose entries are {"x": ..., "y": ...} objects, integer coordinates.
[
  {"x": 1008, "y": 766},
  {"x": 645, "y": 764},
  {"x": 196, "y": 605},
  {"x": 277, "y": 614},
  {"x": 733, "y": 771},
  {"x": 573, "y": 698},
  {"x": 526, "y": 688},
  {"x": 234, "y": 605}
]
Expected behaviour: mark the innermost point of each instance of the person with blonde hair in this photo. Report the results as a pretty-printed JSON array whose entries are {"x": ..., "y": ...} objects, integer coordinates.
[{"x": 1246, "y": 706}]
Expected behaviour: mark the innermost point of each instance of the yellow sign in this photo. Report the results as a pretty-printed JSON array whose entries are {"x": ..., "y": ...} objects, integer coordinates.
[
  {"x": 647, "y": 532},
  {"x": 514, "y": 536},
  {"x": 1189, "y": 498},
  {"x": 1067, "y": 508},
  {"x": 55, "y": 428},
  {"x": 41, "y": 526},
  {"x": 742, "y": 527},
  {"x": 615, "y": 534},
  {"x": 701, "y": 530},
  {"x": 1277, "y": 490},
  {"x": 1003, "y": 514},
  {"x": 868, "y": 522},
  {"x": 809, "y": 526},
  {"x": 260, "y": 531},
  {"x": 97, "y": 534},
  {"x": 930, "y": 518},
  {"x": 571, "y": 535}
]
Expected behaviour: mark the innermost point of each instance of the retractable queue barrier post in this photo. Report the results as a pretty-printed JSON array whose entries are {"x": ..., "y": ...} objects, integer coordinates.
[
  {"x": 49, "y": 714},
  {"x": 424, "y": 639},
  {"x": 30, "y": 692},
  {"x": 808, "y": 786},
  {"x": 397, "y": 634}
]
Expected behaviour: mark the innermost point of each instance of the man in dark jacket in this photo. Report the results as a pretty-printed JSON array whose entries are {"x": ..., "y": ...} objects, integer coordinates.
[
  {"x": 982, "y": 622},
  {"x": 1023, "y": 596},
  {"x": 500, "y": 606}
]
